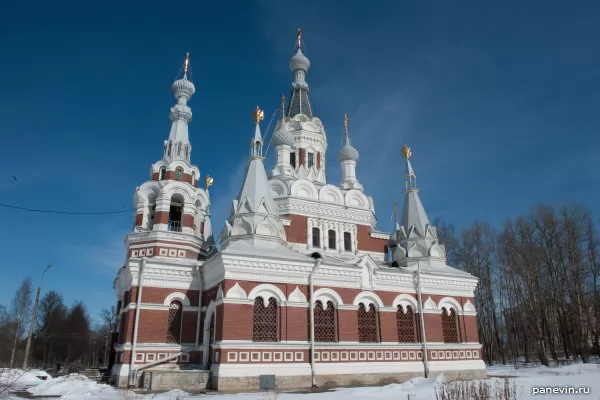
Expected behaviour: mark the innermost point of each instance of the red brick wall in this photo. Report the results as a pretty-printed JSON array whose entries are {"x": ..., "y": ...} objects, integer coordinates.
[
  {"x": 296, "y": 232},
  {"x": 368, "y": 243},
  {"x": 139, "y": 219},
  {"x": 158, "y": 295},
  {"x": 161, "y": 217},
  {"x": 188, "y": 220}
]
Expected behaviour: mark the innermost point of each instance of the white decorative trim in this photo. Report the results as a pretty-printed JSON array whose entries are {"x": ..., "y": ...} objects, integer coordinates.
[
  {"x": 236, "y": 292},
  {"x": 406, "y": 300},
  {"x": 368, "y": 298},
  {"x": 327, "y": 294},
  {"x": 267, "y": 291},
  {"x": 379, "y": 235},
  {"x": 449, "y": 302},
  {"x": 297, "y": 296},
  {"x": 429, "y": 306},
  {"x": 177, "y": 296}
]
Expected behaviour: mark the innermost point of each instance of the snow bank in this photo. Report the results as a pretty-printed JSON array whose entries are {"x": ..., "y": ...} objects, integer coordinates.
[
  {"x": 73, "y": 385},
  {"x": 18, "y": 377}
]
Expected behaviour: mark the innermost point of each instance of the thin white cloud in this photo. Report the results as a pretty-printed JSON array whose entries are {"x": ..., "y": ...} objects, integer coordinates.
[{"x": 105, "y": 256}]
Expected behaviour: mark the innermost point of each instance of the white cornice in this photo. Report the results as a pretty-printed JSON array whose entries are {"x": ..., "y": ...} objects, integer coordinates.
[{"x": 335, "y": 212}]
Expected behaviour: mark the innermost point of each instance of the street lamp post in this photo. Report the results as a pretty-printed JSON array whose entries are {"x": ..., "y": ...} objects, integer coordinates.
[{"x": 35, "y": 306}]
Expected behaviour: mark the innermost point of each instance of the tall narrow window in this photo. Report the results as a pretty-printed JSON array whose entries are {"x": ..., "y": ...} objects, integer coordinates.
[
  {"x": 193, "y": 178},
  {"x": 170, "y": 148},
  {"x": 405, "y": 322},
  {"x": 367, "y": 324},
  {"x": 449, "y": 326},
  {"x": 264, "y": 322},
  {"x": 293, "y": 159},
  {"x": 178, "y": 174},
  {"x": 311, "y": 160},
  {"x": 161, "y": 173},
  {"x": 347, "y": 241},
  {"x": 316, "y": 237},
  {"x": 325, "y": 322},
  {"x": 174, "y": 322},
  {"x": 331, "y": 237}
]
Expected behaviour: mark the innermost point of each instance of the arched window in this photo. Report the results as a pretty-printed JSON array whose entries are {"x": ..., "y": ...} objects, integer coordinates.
[
  {"x": 316, "y": 237},
  {"x": 325, "y": 322},
  {"x": 293, "y": 159},
  {"x": 161, "y": 173},
  {"x": 178, "y": 174},
  {"x": 193, "y": 178},
  {"x": 170, "y": 148},
  {"x": 174, "y": 322},
  {"x": 347, "y": 241},
  {"x": 449, "y": 326},
  {"x": 264, "y": 322},
  {"x": 368, "y": 329},
  {"x": 405, "y": 322},
  {"x": 331, "y": 237}
]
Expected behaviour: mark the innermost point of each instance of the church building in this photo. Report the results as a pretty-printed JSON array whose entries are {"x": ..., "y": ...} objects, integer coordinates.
[{"x": 300, "y": 287}]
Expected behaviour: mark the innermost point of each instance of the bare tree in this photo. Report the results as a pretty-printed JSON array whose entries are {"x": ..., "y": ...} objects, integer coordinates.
[
  {"x": 21, "y": 308},
  {"x": 110, "y": 319}
]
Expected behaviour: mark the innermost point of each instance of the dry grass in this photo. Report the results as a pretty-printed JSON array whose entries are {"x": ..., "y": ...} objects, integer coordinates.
[
  {"x": 8, "y": 380},
  {"x": 505, "y": 389}
]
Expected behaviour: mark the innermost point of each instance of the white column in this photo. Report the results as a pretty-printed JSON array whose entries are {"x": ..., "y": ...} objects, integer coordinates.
[{"x": 309, "y": 225}]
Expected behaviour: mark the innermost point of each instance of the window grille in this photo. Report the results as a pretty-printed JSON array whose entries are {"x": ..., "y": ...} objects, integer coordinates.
[
  {"x": 367, "y": 324},
  {"x": 406, "y": 325},
  {"x": 325, "y": 322},
  {"x": 347, "y": 241},
  {"x": 178, "y": 173},
  {"x": 174, "y": 322},
  {"x": 316, "y": 237},
  {"x": 264, "y": 324},
  {"x": 331, "y": 236},
  {"x": 449, "y": 326}
]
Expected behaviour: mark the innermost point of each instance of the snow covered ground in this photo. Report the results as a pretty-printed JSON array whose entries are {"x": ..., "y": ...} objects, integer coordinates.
[{"x": 527, "y": 381}]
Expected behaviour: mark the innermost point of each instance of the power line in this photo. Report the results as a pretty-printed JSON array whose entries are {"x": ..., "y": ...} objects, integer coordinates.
[{"x": 65, "y": 212}]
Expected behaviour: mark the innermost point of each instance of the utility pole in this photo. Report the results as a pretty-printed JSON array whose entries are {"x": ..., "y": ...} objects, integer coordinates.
[{"x": 35, "y": 306}]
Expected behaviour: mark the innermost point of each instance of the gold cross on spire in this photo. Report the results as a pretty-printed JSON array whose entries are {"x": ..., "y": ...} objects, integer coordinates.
[
  {"x": 406, "y": 153},
  {"x": 208, "y": 181},
  {"x": 258, "y": 115},
  {"x": 187, "y": 63},
  {"x": 299, "y": 37},
  {"x": 346, "y": 124}
]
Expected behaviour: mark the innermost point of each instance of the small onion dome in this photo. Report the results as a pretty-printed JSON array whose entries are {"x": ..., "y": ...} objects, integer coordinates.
[
  {"x": 282, "y": 136},
  {"x": 183, "y": 87},
  {"x": 348, "y": 153},
  {"x": 299, "y": 61}
]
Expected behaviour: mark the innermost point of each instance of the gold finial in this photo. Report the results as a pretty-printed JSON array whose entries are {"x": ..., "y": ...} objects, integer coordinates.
[
  {"x": 187, "y": 62},
  {"x": 406, "y": 152},
  {"x": 299, "y": 37},
  {"x": 258, "y": 115},
  {"x": 282, "y": 105},
  {"x": 208, "y": 181},
  {"x": 346, "y": 123}
]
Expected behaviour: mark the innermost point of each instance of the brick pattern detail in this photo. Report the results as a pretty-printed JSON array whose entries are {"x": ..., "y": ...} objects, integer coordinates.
[
  {"x": 449, "y": 326},
  {"x": 174, "y": 321},
  {"x": 406, "y": 325},
  {"x": 296, "y": 231},
  {"x": 367, "y": 324},
  {"x": 325, "y": 327},
  {"x": 265, "y": 321}
]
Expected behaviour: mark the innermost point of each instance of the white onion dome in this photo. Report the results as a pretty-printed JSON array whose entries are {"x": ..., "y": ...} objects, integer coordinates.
[
  {"x": 299, "y": 61},
  {"x": 282, "y": 136},
  {"x": 183, "y": 88},
  {"x": 347, "y": 152}
]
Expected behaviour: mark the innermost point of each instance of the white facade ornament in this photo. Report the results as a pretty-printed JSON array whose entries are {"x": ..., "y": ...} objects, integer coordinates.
[
  {"x": 236, "y": 292},
  {"x": 297, "y": 296}
]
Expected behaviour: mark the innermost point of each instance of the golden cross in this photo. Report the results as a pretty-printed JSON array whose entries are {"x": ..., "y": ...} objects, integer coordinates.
[
  {"x": 187, "y": 62},
  {"x": 406, "y": 153},
  {"x": 346, "y": 123},
  {"x": 208, "y": 181},
  {"x": 258, "y": 115}
]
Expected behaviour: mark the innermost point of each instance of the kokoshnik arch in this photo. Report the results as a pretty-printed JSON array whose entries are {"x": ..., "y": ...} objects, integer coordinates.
[{"x": 386, "y": 305}]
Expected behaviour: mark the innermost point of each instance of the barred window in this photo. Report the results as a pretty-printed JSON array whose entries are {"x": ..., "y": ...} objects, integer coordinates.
[
  {"x": 367, "y": 324},
  {"x": 331, "y": 235},
  {"x": 264, "y": 324},
  {"x": 161, "y": 173},
  {"x": 174, "y": 322},
  {"x": 325, "y": 322},
  {"x": 449, "y": 326},
  {"x": 406, "y": 325},
  {"x": 347, "y": 241},
  {"x": 316, "y": 237},
  {"x": 178, "y": 173}
]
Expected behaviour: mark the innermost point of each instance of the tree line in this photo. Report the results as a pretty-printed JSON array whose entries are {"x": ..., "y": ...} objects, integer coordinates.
[
  {"x": 538, "y": 296},
  {"x": 63, "y": 335}
]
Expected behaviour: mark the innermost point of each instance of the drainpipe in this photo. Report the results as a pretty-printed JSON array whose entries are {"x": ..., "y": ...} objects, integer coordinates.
[
  {"x": 312, "y": 320},
  {"x": 200, "y": 291},
  {"x": 132, "y": 370},
  {"x": 425, "y": 358}
]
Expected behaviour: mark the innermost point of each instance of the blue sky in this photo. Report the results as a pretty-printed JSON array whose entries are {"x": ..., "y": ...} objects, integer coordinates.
[{"x": 499, "y": 103}]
